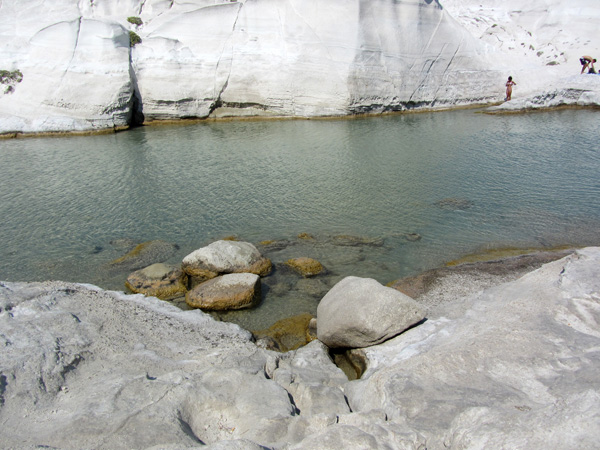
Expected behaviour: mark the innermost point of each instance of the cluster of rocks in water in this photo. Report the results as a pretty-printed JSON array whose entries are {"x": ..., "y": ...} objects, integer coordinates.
[{"x": 226, "y": 275}]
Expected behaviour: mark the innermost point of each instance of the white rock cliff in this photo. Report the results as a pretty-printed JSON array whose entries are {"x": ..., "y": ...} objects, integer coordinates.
[{"x": 298, "y": 58}]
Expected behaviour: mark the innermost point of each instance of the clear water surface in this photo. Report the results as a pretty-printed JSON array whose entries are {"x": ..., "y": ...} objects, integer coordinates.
[{"x": 416, "y": 190}]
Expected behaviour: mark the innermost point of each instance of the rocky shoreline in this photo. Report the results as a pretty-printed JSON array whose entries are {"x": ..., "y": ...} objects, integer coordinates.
[{"x": 502, "y": 360}]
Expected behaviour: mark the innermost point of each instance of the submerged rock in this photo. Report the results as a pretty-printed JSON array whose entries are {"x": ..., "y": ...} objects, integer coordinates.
[
  {"x": 454, "y": 204},
  {"x": 313, "y": 287},
  {"x": 360, "y": 312},
  {"x": 145, "y": 254},
  {"x": 287, "y": 334},
  {"x": 307, "y": 267},
  {"x": 231, "y": 291},
  {"x": 158, "y": 280},
  {"x": 356, "y": 241}
]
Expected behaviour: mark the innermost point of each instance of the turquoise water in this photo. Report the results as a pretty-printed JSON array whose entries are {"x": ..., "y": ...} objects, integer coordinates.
[{"x": 460, "y": 181}]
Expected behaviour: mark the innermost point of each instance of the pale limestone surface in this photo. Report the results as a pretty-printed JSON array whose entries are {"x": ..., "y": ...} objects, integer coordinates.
[
  {"x": 519, "y": 368},
  {"x": 298, "y": 58}
]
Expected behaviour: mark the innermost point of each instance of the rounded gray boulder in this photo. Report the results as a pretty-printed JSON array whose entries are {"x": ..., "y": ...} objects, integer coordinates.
[
  {"x": 223, "y": 257},
  {"x": 360, "y": 312}
]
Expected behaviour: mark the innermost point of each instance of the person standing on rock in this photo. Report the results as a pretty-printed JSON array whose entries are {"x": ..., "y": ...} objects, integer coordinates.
[
  {"x": 509, "y": 84},
  {"x": 586, "y": 61}
]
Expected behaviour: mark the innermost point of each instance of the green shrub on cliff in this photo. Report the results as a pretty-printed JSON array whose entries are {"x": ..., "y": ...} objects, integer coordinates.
[
  {"x": 134, "y": 38},
  {"x": 8, "y": 77},
  {"x": 135, "y": 20}
]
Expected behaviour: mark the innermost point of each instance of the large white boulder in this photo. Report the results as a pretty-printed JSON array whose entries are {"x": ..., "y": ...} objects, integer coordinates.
[{"x": 359, "y": 312}]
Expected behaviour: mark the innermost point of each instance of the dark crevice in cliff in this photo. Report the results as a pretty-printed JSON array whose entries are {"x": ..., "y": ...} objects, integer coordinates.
[
  {"x": 136, "y": 105},
  {"x": 187, "y": 430},
  {"x": 3, "y": 384}
]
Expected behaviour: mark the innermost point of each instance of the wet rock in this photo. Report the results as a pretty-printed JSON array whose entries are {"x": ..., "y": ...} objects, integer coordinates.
[
  {"x": 123, "y": 244},
  {"x": 307, "y": 267},
  {"x": 287, "y": 334},
  {"x": 145, "y": 254},
  {"x": 274, "y": 245},
  {"x": 313, "y": 287},
  {"x": 355, "y": 241},
  {"x": 280, "y": 288},
  {"x": 360, "y": 312},
  {"x": 439, "y": 287},
  {"x": 412, "y": 237},
  {"x": 312, "y": 329},
  {"x": 158, "y": 280},
  {"x": 231, "y": 291},
  {"x": 305, "y": 236},
  {"x": 223, "y": 257}
]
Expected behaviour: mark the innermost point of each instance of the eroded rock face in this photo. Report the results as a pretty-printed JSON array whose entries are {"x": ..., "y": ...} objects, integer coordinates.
[
  {"x": 359, "y": 312},
  {"x": 224, "y": 58},
  {"x": 222, "y": 257},
  {"x": 231, "y": 291},
  {"x": 76, "y": 72}
]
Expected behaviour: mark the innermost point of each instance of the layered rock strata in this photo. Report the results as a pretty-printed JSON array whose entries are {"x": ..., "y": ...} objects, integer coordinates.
[{"x": 196, "y": 59}]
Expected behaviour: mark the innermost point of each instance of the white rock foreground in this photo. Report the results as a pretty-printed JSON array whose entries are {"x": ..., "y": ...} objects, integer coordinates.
[
  {"x": 86, "y": 368},
  {"x": 292, "y": 58}
]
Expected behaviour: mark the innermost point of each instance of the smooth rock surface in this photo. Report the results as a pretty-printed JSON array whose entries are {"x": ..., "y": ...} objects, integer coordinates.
[
  {"x": 158, "y": 280},
  {"x": 223, "y": 257},
  {"x": 231, "y": 291},
  {"x": 359, "y": 312},
  {"x": 518, "y": 367},
  {"x": 518, "y": 370}
]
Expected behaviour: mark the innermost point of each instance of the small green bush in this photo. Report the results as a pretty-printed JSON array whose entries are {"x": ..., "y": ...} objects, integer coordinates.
[
  {"x": 134, "y": 39},
  {"x": 135, "y": 20},
  {"x": 8, "y": 77}
]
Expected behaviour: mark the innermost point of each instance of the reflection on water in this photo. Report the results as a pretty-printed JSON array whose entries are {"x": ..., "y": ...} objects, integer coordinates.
[{"x": 460, "y": 181}]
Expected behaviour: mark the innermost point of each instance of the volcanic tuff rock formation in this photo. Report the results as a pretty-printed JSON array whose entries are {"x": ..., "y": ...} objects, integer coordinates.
[
  {"x": 519, "y": 368},
  {"x": 81, "y": 69}
]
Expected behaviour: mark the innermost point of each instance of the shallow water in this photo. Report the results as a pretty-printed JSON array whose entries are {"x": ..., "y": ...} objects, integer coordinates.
[{"x": 460, "y": 181}]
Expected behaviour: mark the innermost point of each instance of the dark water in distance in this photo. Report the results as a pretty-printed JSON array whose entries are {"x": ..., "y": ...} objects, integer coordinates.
[{"x": 463, "y": 181}]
